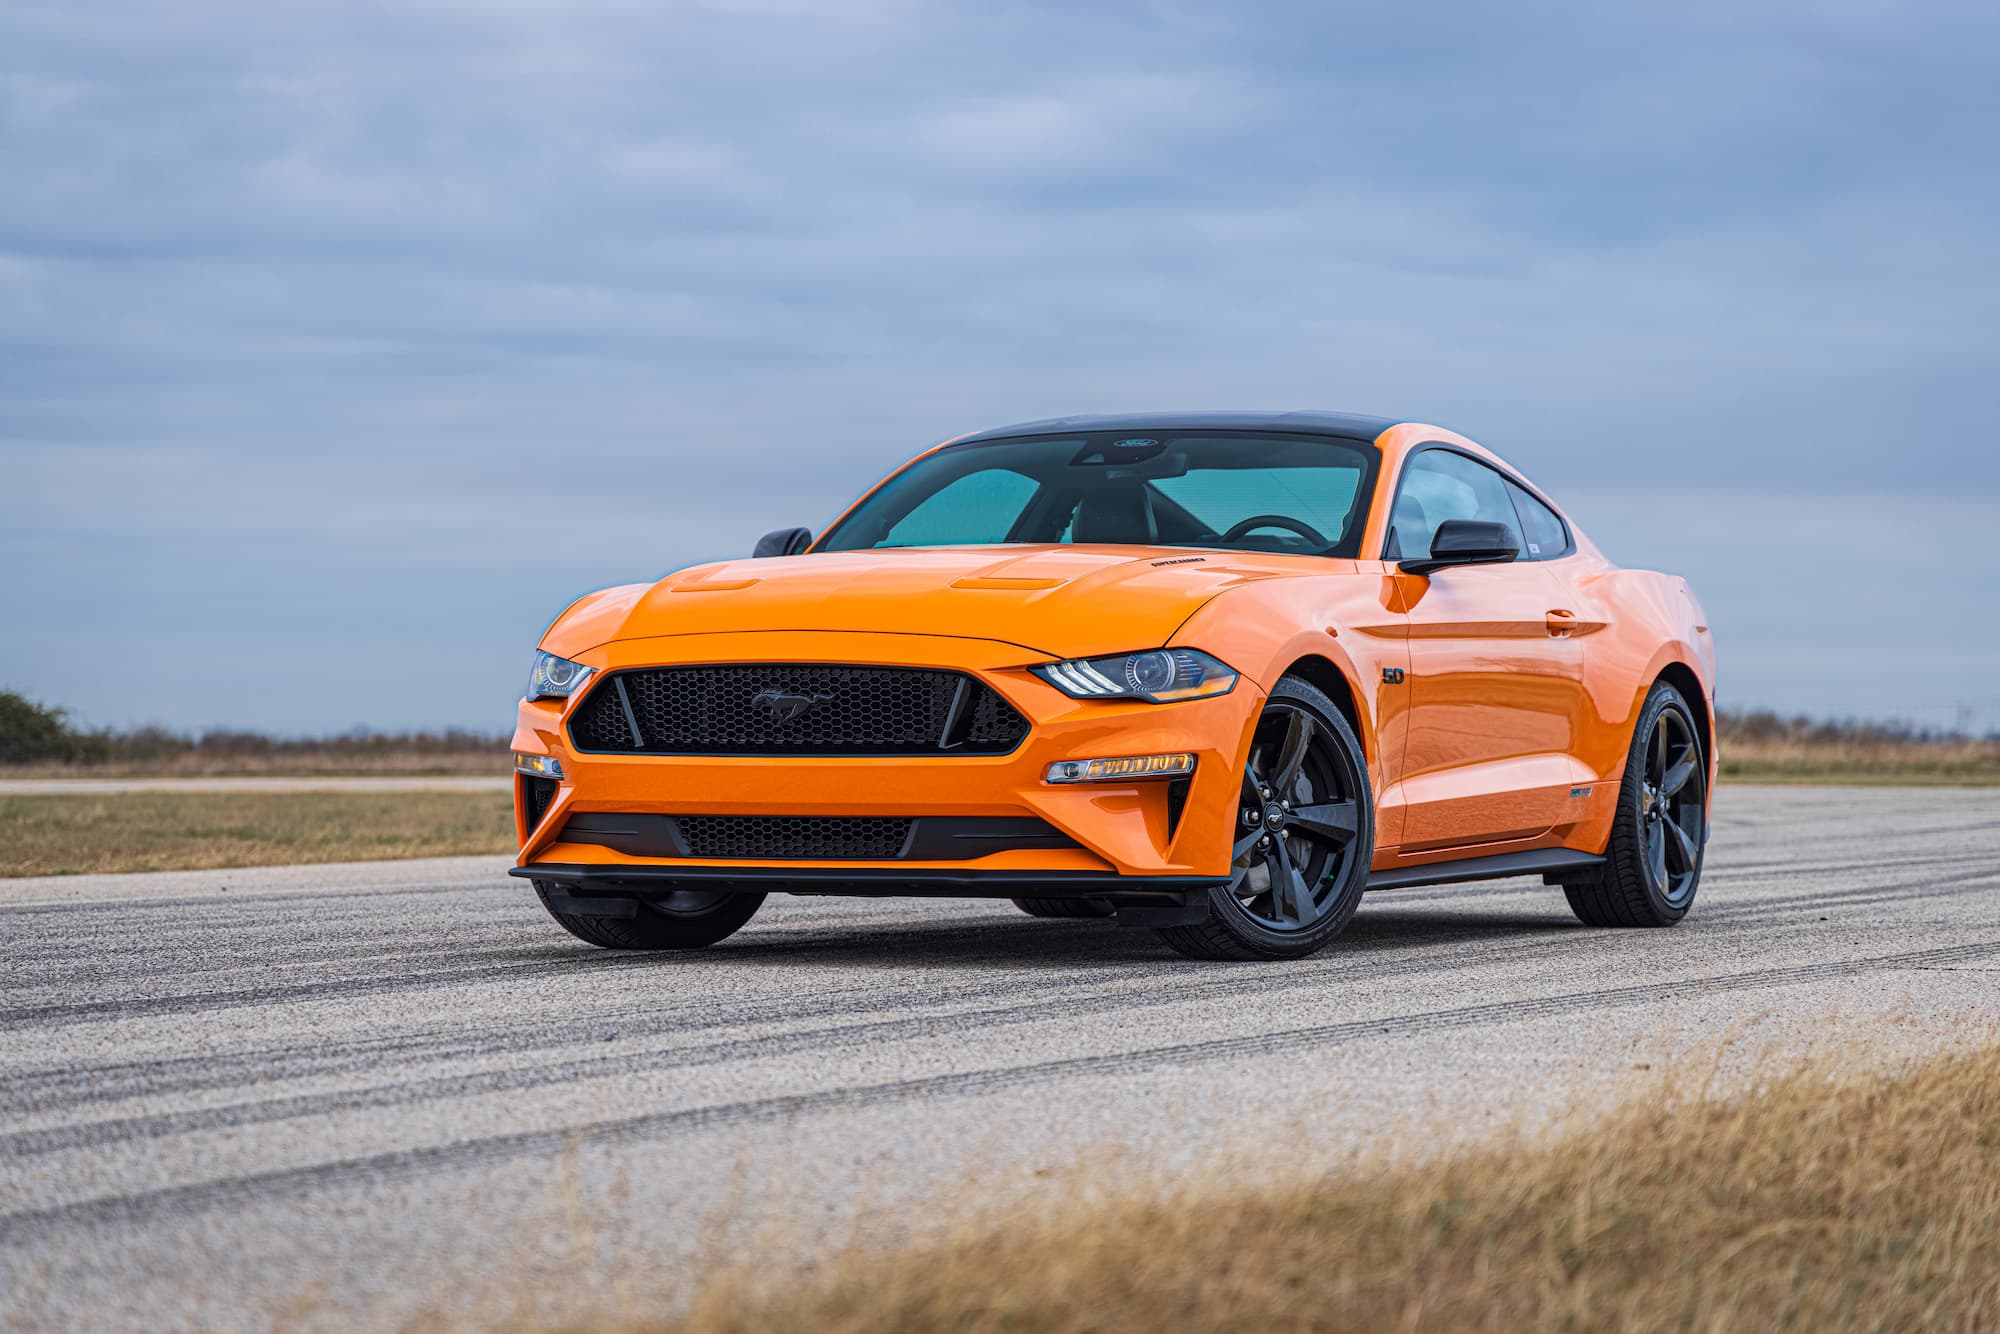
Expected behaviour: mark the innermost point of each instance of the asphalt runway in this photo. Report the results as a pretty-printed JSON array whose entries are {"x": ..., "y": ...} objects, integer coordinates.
[{"x": 330, "y": 1096}]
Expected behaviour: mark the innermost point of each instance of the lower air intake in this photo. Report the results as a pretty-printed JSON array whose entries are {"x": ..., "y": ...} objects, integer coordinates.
[{"x": 795, "y": 837}]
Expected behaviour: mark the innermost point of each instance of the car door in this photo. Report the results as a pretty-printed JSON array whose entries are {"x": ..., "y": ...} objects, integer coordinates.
[{"x": 1495, "y": 678}]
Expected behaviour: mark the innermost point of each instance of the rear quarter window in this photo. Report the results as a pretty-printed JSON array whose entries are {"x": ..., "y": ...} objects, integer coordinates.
[{"x": 1542, "y": 531}]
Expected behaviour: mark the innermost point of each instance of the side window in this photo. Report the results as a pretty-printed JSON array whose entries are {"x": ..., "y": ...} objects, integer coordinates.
[
  {"x": 1544, "y": 534},
  {"x": 979, "y": 507},
  {"x": 1438, "y": 485}
]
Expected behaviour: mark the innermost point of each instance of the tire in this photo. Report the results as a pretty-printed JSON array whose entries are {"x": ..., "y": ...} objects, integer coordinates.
[
  {"x": 1326, "y": 835},
  {"x": 1065, "y": 907},
  {"x": 1659, "y": 834},
  {"x": 701, "y": 918}
]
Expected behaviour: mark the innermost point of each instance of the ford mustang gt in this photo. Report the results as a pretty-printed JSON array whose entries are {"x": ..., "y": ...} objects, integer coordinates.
[{"x": 1216, "y": 674}]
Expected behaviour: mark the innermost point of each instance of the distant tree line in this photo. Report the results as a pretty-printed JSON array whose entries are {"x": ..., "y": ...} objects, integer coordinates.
[
  {"x": 1762, "y": 725},
  {"x": 34, "y": 733}
]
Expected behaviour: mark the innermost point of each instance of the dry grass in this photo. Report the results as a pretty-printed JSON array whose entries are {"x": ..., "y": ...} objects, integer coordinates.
[
  {"x": 1763, "y": 747},
  {"x": 1960, "y": 763},
  {"x": 1819, "y": 1203},
  {"x": 176, "y": 831},
  {"x": 297, "y": 762}
]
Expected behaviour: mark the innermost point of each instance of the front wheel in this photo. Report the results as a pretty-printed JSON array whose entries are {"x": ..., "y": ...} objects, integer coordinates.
[
  {"x": 683, "y": 920},
  {"x": 1653, "y": 866},
  {"x": 1303, "y": 835}
]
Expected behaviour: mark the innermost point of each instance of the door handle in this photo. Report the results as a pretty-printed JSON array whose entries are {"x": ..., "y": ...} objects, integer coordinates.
[{"x": 1560, "y": 622}]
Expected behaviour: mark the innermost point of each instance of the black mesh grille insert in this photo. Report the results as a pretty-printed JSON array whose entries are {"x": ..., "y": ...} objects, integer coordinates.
[
  {"x": 795, "y": 837},
  {"x": 787, "y": 709},
  {"x": 536, "y": 795}
]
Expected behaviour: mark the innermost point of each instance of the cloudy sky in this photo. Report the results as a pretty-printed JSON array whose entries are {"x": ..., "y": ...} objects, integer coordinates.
[{"x": 341, "y": 344}]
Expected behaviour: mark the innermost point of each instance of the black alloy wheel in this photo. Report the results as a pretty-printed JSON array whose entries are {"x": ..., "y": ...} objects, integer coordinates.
[
  {"x": 1302, "y": 838},
  {"x": 1659, "y": 833},
  {"x": 1294, "y": 827},
  {"x": 1671, "y": 808}
]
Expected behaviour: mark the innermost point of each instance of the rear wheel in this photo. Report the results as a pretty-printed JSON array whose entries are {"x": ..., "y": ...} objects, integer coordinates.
[
  {"x": 1065, "y": 907},
  {"x": 1653, "y": 866},
  {"x": 683, "y": 920},
  {"x": 1304, "y": 833}
]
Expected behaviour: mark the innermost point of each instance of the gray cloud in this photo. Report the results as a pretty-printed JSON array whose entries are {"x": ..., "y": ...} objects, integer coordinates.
[{"x": 310, "y": 316}]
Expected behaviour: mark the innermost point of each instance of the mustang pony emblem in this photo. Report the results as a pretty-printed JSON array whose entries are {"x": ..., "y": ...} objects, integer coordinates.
[{"x": 782, "y": 706}]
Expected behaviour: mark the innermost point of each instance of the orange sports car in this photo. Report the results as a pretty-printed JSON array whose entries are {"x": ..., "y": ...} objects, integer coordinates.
[{"x": 1211, "y": 673}]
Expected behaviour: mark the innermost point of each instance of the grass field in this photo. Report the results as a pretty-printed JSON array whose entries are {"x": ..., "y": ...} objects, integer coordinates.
[
  {"x": 1779, "y": 759},
  {"x": 299, "y": 762},
  {"x": 173, "y": 831},
  {"x": 1822, "y": 1203}
]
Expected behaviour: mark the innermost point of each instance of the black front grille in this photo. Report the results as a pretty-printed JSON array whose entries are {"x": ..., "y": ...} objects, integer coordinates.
[
  {"x": 795, "y": 837},
  {"x": 786, "y": 709}
]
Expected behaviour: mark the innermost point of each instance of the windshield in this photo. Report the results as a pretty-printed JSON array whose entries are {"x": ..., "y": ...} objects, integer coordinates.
[{"x": 1245, "y": 491}]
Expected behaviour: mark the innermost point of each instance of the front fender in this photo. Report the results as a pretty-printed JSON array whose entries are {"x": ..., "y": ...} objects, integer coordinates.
[{"x": 1349, "y": 622}]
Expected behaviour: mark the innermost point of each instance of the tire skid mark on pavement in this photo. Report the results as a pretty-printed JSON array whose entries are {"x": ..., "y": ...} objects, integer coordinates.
[
  {"x": 838, "y": 1037},
  {"x": 1781, "y": 870},
  {"x": 59, "y": 907},
  {"x": 558, "y": 959},
  {"x": 277, "y": 940},
  {"x": 475, "y": 1039},
  {"x": 1075, "y": 999},
  {"x": 402, "y": 1164},
  {"x": 297, "y": 956},
  {"x": 1861, "y": 894},
  {"x": 287, "y": 951},
  {"x": 561, "y": 959},
  {"x": 1716, "y": 879}
]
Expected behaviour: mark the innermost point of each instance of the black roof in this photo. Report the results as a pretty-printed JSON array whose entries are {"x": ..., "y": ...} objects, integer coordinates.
[{"x": 1353, "y": 425}]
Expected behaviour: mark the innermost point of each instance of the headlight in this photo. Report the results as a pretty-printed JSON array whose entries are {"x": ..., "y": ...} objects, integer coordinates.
[
  {"x": 1160, "y": 675},
  {"x": 555, "y": 678}
]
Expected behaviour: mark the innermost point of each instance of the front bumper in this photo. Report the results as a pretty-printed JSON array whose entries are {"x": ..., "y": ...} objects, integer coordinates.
[
  {"x": 597, "y": 891},
  {"x": 1118, "y": 831}
]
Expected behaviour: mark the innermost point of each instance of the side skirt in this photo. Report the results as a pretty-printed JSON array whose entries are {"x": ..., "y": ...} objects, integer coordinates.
[{"x": 1548, "y": 862}]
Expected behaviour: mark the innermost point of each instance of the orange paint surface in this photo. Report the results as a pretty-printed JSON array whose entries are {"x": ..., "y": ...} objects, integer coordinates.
[{"x": 1521, "y": 683}]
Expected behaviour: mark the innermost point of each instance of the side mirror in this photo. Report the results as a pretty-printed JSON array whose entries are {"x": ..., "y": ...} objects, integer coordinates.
[
  {"x": 1466, "y": 542},
  {"x": 786, "y": 542}
]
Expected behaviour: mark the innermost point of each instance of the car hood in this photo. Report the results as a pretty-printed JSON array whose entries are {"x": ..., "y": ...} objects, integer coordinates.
[{"x": 1065, "y": 601}]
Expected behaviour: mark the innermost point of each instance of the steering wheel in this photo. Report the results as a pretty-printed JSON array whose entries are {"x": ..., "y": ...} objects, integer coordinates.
[{"x": 1256, "y": 521}]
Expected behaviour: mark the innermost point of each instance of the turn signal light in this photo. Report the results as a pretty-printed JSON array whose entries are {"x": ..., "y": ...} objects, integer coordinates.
[
  {"x": 1178, "y": 765},
  {"x": 541, "y": 766}
]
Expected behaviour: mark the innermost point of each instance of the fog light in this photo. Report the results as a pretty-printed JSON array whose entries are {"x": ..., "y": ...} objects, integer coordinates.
[
  {"x": 541, "y": 766},
  {"x": 1130, "y": 766}
]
